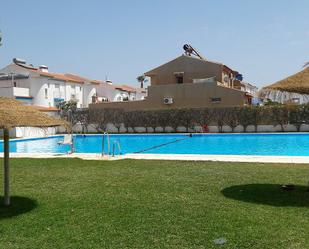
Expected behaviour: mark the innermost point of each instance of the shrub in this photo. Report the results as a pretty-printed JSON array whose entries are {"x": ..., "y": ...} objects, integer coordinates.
[
  {"x": 297, "y": 116},
  {"x": 248, "y": 115},
  {"x": 279, "y": 115},
  {"x": 219, "y": 116},
  {"x": 232, "y": 118}
]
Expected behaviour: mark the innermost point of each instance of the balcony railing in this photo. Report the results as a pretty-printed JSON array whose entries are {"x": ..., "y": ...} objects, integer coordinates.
[{"x": 21, "y": 92}]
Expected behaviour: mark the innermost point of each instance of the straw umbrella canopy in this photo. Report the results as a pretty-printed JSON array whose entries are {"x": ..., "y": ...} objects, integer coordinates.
[
  {"x": 14, "y": 114},
  {"x": 297, "y": 83}
]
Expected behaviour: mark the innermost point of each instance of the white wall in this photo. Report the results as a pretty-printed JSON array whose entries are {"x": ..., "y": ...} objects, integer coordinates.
[
  {"x": 89, "y": 91},
  {"x": 7, "y": 92},
  {"x": 30, "y": 132},
  {"x": 114, "y": 95},
  {"x": 27, "y": 132},
  {"x": 108, "y": 91},
  {"x": 212, "y": 129},
  {"x": 38, "y": 84}
]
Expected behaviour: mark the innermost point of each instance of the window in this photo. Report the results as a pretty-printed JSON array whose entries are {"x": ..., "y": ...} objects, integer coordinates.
[
  {"x": 14, "y": 83},
  {"x": 57, "y": 91},
  {"x": 215, "y": 100},
  {"x": 179, "y": 79},
  {"x": 46, "y": 93},
  {"x": 73, "y": 92}
]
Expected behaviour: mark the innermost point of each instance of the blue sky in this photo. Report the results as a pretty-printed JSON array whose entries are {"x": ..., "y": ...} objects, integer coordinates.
[{"x": 264, "y": 40}]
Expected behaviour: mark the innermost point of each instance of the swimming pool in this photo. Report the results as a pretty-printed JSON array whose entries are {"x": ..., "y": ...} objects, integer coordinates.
[{"x": 288, "y": 144}]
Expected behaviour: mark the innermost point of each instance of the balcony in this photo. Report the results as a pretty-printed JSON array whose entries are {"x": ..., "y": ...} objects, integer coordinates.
[{"x": 21, "y": 92}]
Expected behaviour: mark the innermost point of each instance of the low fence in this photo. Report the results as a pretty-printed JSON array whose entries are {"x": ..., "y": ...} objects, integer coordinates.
[
  {"x": 28, "y": 132},
  {"x": 80, "y": 129}
]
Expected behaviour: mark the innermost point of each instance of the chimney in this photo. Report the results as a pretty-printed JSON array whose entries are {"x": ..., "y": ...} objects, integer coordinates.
[
  {"x": 19, "y": 61},
  {"x": 43, "y": 68}
]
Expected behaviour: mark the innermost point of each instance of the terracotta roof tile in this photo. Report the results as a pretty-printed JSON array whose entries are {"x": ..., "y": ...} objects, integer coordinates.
[{"x": 64, "y": 77}]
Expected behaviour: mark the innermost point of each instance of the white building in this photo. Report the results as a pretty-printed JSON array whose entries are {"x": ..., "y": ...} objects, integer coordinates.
[
  {"x": 108, "y": 92},
  {"x": 41, "y": 88}
]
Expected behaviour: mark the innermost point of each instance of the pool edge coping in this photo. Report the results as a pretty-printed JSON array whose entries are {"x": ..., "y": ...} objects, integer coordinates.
[
  {"x": 173, "y": 157},
  {"x": 160, "y": 134}
]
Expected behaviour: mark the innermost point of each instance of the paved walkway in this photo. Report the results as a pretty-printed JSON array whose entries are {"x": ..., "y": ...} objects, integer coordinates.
[
  {"x": 183, "y": 157},
  {"x": 222, "y": 158}
]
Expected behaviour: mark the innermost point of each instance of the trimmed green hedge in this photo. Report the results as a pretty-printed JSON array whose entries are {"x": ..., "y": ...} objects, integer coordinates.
[{"x": 189, "y": 118}]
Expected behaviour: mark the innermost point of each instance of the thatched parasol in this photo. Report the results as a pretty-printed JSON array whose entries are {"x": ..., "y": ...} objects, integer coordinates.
[
  {"x": 14, "y": 114},
  {"x": 297, "y": 83}
]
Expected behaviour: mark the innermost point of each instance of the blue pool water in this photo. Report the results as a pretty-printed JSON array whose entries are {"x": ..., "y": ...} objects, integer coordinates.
[{"x": 214, "y": 144}]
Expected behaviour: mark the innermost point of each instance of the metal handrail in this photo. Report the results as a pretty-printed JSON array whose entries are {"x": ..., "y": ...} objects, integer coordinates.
[
  {"x": 105, "y": 134},
  {"x": 119, "y": 147}
]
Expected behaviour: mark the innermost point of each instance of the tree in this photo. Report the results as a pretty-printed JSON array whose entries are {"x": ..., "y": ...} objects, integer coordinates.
[
  {"x": 151, "y": 119},
  {"x": 130, "y": 120},
  {"x": 279, "y": 115},
  {"x": 142, "y": 79},
  {"x": 101, "y": 118},
  {"x": 83, "y": 118},
  {"x": 219, "y": 117},
  {"x": 175, "y": 119},
  {"x": 68, "y": 111},
  {"x": 117, "y": 118},
  {"x": 203, "y": 116},
  {"x": 185, "y": 118},
  {"x": 164, "y": 118},
  {"x": 231, "y": 117},
  {"x": 297, "y": 115},
  {"x": 257, "y": 115},
  {"x": 245, "y": 117}
]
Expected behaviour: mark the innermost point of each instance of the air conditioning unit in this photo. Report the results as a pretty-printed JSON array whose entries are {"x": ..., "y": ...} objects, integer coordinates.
[{"x": 168, "y": 101}]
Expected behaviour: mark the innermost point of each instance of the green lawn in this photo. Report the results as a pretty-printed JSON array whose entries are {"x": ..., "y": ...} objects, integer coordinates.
[{"x": 70, "y": 203}]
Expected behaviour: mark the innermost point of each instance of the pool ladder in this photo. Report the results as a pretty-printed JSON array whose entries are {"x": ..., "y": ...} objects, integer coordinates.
[
  {"x": 116, "y": 144},
  {"x": 106, "y": 136}
]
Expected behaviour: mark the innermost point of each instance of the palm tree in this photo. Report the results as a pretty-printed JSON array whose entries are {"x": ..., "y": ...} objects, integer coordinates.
[{"x": 142, "y": 79}]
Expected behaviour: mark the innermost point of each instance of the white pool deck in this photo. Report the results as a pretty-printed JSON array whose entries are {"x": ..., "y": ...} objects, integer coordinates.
[{"x": 180, "y": 157}]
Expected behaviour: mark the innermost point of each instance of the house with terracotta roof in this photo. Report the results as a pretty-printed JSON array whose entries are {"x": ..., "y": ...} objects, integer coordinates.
[
  {"x": 39, "y": 87},
  {"x": 109, "y": 92},
  {"x": 191, "y": 81}
]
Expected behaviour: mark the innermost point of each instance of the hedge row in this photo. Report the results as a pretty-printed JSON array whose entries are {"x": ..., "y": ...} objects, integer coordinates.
[{"x": 189, "y": 118}]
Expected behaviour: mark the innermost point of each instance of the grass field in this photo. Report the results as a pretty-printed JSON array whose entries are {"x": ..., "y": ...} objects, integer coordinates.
[{"x": 70, "y": 203}]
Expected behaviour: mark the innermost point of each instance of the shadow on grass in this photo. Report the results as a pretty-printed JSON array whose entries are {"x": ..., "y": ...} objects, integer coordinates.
[
  {"x": 19, "y": 205},
  {"x": 269, "y": 194}
]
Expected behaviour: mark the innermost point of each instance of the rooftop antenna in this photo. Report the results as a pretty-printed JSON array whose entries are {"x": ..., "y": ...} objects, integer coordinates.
[{"x": 189, "y": 50}]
